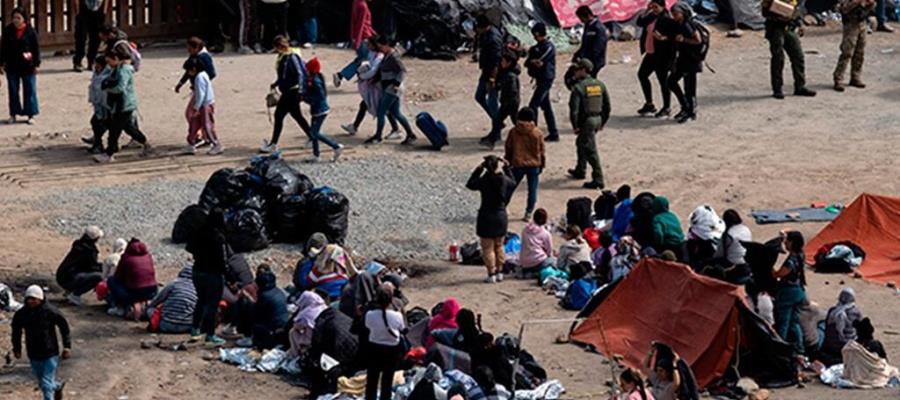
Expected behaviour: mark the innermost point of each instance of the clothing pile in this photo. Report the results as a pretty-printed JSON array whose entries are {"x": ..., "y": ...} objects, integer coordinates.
[
  {"x": 840, "y": 257},
  {"x": 8, "y": 302}
]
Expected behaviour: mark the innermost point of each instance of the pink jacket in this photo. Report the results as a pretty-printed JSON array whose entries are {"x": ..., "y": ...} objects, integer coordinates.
[
  {"x": 360, "y": 22},
  {"x": 537, "y": 246}
]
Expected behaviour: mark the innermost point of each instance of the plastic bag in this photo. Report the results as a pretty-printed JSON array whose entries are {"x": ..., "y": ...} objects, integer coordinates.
[
  {"x": 189, "y": 221},
  {"x": 225, "y": 188},
  {"x": 328, "y": 212},
  {"x": 246, "y": 230},
  {"x": 286, "y": 219}
]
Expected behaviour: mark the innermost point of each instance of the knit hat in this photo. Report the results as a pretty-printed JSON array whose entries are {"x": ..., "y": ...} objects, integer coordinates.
[
  {"x": 313, "y": 66},
  {"x": 34, "y": 292},
  {"x": 93, "y": 232}
]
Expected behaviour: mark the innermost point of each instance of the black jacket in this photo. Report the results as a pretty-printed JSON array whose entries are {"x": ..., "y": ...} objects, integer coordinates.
[
  {"x": 490, "y": 47},
  {"x": 40, "y": 326},
  {"x": 270, "y": 311},
  {"x": 593, "y": 44},
  {"x": 495, "y": 190},
  {"x": 210, "y": 250},
  {"x": 545, "y": 52},
  {"x": 82, "y": 258},
  {"x": 508, "y": 80},
  {"x": 332, "y": 336},
  {"x": 13, "y": 50}
]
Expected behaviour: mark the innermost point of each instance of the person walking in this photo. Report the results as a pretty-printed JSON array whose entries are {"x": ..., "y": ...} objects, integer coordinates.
[
  {"x": 881, "y": 17},
  {"x": 248, "y": 30},
  {"x": 541, "y": 65},
  {"x": 291, "y": 75},
  {"x": 688, "y": 63},
  {"x": 525, "y": 153},
  {"x": 790, "y": 293},
  {"x": 317, "y": 97},
  {"x": 211, "y": 253},
  {"x": 589, "y": 109},
  {"x": 384, "y": 348},
  {"x": 201, "y": 111},
  {"x": 593, "y": 41},
  {"x": 494, "y": 181},
  {"x": 196, "y": 51},
  {"x": 782, "y": 34},
  {"x": 508, "y": 82},
  {"x": 369, "y": 86},
  {"x": 90, "y": 19},
  {"x": 659, "y": 57},
  {"x": 360, "y": 31},
  {"x": 122, "y": 101},
  {"x": 97, "y": 98},
  {"x": 393, "y": 74},
  {"x": 39, "y": 321},
  {"x": 20, "y": 59},
  {"x": 854, "y": 14},
  {"x": 490, "y": 46}
]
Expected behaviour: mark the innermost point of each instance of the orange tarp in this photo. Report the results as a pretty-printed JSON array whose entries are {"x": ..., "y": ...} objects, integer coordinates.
[
  {"x": 873, "y": 223},
  {"x": 668, "y": 303}
]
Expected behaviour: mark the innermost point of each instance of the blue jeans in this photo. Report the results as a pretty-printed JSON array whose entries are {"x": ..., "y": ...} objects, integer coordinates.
[
  {"x": 362, "y": 53},
  {"x": 29, "y": 93},
  {"x": 309, "y": 30},
  {"x": 788, "y": 301},
  {"x": 488, "y": 98},
  {"x": 315, "y": 134},
  {"x": 390, "y": 104},
  {"x": 45, "y": 372},
  {"x": 541, "y": 99},
  {"x": 533, "y": 173}
]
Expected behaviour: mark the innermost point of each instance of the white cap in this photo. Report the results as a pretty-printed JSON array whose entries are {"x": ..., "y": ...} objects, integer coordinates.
[
  {"x": 35, "y": 292},
  {"x": 93, "y": 232}
]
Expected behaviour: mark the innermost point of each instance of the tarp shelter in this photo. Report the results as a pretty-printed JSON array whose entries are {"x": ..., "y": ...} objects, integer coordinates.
[
  {"x": 608, "y": 10},
  {"x": 706, "y": 321},
  {"x": 873, "y": 223}
]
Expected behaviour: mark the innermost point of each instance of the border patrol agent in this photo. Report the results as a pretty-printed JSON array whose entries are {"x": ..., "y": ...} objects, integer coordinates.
[{"x": 589, "y": 110}]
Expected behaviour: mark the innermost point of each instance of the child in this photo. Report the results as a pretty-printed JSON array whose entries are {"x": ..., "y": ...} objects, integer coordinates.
[
  {"x": 201, "y": 111},
  {"x": 508, "y": 82},
  {"x": 97, "y": 98},
  {"x": 122, "y": 102},
  {"x": 197, "y": 50},
  {"x": 39, "y": 321},
  {"x": 317, "y": 98}
]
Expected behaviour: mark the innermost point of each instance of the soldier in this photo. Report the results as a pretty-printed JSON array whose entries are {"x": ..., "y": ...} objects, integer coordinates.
[
  {"x": 853, "y": 43},
  {"x": 588, "y": 110},
  {"x": 783, "y": 38}
]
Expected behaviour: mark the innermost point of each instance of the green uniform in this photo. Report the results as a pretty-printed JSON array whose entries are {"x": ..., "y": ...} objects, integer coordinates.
[
  {"x": 783, "y": 38},
  {"x": 853, "y": 43},
  {"x": 588, "y": 111}
]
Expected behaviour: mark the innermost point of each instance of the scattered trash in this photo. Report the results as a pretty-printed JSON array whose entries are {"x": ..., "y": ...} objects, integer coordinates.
[{"x": 887, "y": 51}]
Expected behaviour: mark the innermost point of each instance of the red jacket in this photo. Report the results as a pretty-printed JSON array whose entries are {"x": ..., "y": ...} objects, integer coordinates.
[
  {"x": 360, "y": 23},
  {"x": 135, "y": 269}
]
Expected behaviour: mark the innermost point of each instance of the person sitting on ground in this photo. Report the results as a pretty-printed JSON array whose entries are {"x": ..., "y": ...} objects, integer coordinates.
[
  {"x": 80, "y": 271},
  {"x": 602, "y": 256},
  {"x": 331, "y": 336},
  {"x": 270, "y": 314},
  {"x": 488, "y": 386},
  {"x": 494, "y": 181},
  {"x": 632, "y": 385},
  {"x": 443, "y": 319},
  {"x": 332, "y": 270},
  {"x": 840, "y": 327},
  {"x": 867, "y": 366},
  {"x": 622, "y": 215},
  {"x": 628, "y": 253},
  {"x": 526, "y": 155},
  {"x": 392, "y": 283},
  {"x": 865, "y": 335},
  {"x": 314, "y": 245},
  {"x": 239, "y": 295},
  {"x": 664, "y": 378},
  {"x": 537, "y": 246},
  {"x": 641, "y": 225},
  {"x": 704, "y": 234},
  {"x": 134, "y": 282},
  {"x": 731, "y": 249},
  {"x": 359, "y": 293},
  {"x": 310, "y": 305},
  {"x": 667, "y": 232},
  {"x": 112, "y": 260},
  {"x": 574, "y": 250},
  {"x": 39, "y": 321},
  {"x": 384, "y": 350},
  {"x": 175, "y": 303},
  {"x": 467, "y": 337}
]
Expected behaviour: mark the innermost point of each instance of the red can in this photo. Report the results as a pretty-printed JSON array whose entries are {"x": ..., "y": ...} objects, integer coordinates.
[{"x": 454, "y": 252}]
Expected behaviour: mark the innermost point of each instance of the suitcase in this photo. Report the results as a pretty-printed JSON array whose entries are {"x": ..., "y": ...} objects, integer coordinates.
[{"x": 434, "y": 130}]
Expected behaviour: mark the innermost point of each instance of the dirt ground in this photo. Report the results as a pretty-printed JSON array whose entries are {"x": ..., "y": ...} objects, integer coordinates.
[{"x": 745, "y": 151}]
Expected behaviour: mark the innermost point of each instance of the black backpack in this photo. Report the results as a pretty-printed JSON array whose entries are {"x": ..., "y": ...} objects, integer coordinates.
[{"x": 703, "y": 47}]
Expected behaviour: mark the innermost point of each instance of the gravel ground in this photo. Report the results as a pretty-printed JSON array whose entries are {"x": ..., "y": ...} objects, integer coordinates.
[{"x": 398, "y": 209}]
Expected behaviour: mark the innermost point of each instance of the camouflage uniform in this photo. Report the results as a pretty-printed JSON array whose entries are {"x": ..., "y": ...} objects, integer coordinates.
[
  {"x": 853, "y": 43},
  {"x": 589, "y": 110}
]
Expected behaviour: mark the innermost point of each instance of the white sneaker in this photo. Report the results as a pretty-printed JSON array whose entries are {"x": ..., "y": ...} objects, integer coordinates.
[
  {"x": 337, "y": 80},
  {"x": 392, "y": 135},
  {"x": 499, "y": 277},
  {"x": 311, "y": 160},
  {"x": 349, "y": 128},
  {"x": 216, "y": 150},
  {"x": 307, "y": 45},
  {"x": 104, "y": 159},
  {"x": 490, "y": 279},
  {"x": 30, "y": 121},
  {"x": 527, "y": 217},
  {"x": 230, "y": 331},
  {"x": 74, "y": 300},
  {"x": 258, "y": 49},
  {"x": 337, "y": 153},
  {"x": 268, "y": 147},
  {"x": 202, "y": 143},
  {"x": 189, "y": 150}
]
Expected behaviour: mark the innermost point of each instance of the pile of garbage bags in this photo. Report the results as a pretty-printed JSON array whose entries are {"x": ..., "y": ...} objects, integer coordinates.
[{"x": 270, "y": 201}]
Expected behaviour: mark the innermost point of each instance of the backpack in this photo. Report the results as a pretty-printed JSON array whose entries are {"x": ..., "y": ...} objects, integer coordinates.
[
  {"x": 434, "y": 130},
  {"x": 703, "y": 47},
  {"x": 136, "y": 57},
  {"x": 578, "y": 294},
  {"x": 605, "y": 206},
  {"x": 578, "y": 212}
]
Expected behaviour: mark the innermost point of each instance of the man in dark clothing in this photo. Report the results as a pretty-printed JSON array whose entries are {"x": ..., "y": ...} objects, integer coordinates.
[
  {"x": 80, "y": 271},
  {"x": 593, "y": 41},
  {"x": 490, "y": 45},
  {"x": 39, "y": 321},
  {"x": 270, "y": 313},
  {"x": 90, "y": 19},
  {"x": 782, "y": 34},
  {"x": 589, "y": 109},
  {"x": 508, "y": 82},
  {"x": 211, "y": 253},
  {"x": 541, "y": 65}
]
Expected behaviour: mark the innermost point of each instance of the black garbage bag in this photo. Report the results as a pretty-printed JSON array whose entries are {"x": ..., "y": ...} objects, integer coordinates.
[
  {"x": 189, "y": 221},
  {"x": 328, "y": 211},
  {"x": 578, "y": 212},
  {"x": 281, "y": 179},
  {"x": 286, "y": 220},
  {"x": 245, "y": 229},
  {"x": 225, "y": 188}
]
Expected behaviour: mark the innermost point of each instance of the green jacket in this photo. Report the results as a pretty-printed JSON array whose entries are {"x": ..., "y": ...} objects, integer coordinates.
[
  {"x": 119, "y": 88},
  {"x": 666, "y": 227},
  {"x": 589, "y": 99}
]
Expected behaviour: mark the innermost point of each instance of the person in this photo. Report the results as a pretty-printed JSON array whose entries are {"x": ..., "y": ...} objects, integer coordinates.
[
  {"x": 122, "y": 101},
  {"x": 270, "y": 314},
  {"x": 240, "y": 295},
  {"x": 541, "y": 65},
  {"x": 175, "y": 303},
  {"x": 369, "y": 86},
  {"x": 526, "y": 155},
  {"x": 574, "y": 250},
  {"x": 865, "y": 335},
  {"x": 20, "y": 59},
  {"x": 360, "y": 30},
  {"x": 840, "y": 326},
  {"x": 116, "y": 40},
  {"x": 248, "y": 31},
  {"x": 790, "y": 294},
  {"x": 196, "y": 51},
  {"x": 632, "y": 385},
  {"x": 201, "y": 112},
  {"x": 111, "y": 262},
  {"x": 134, "y": 282},
  {"x": 443, "y": 319},
  {"x": 659, "y": 56},
  {"x": 39, "y": 321},
  {"x": 593, "y": 41},
  {"x": 783, "y": 38},
  {"x": 359, "y": 293},
  {"x": 664, "y": 378},
  {"x": 688, "y": 63},
  {"x": 333, "y": 269},
  {"x": 384, "y": 349},
  {"x": 881, "y": 17},
  {"x": 628, "y": 254},
  {"x": 537, "y": 245},
  {"x": 622, "y": 214},
  {"x": 494, "y": 181},
  {"x": 704, "y": 236},
  {"x": 331, "y": 336},
  {"x": 490, "y": 46},
  {"x": 274, "y": 20},
  {"x": 393, "y": 283},
  {"x": 80, "y": 271},
  {"x": 317, "y": 97},
  {"x": 97, "y": 98},
  {"x": 306, "y": 31},
  {"x": 468, "y": 337},
  {"x": 291, "y": 75},
  {"x": 589, "y": 109},
  {"x": 491, "y": 390},
  {"x": 854, "y": 16},
  {"x": 314, "y": 245},
  {"x": 393, "y": 75},
  {"x": 310, "y": 305},
  {"x": 508, "y": 83},
  {"x": 88, "y": 22},
  {"x": 211, "y": 252},
  {"x": 667, "y": 232}
]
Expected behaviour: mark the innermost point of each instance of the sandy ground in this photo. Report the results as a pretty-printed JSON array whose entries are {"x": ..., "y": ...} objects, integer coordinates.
[{"x": 745, "y": 151}]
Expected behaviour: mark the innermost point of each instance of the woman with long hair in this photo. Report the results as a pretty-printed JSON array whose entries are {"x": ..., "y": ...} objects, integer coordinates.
[
  {"x": 384, "y": 349},
  {"x": 632, "y": 385},
  {"x": 20, "y": 60}
]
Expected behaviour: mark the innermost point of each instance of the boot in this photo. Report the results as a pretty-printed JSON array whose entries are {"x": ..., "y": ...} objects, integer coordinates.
[
  {"x": 838, "y": 87},
  {"x": 804, "y": 92},
  {"x": 647, "y": 110},
  {"x": 857, "y": 83}
]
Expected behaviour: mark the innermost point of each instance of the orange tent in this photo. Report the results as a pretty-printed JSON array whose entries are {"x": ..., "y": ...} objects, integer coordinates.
[{"x": 873, "y": 223}]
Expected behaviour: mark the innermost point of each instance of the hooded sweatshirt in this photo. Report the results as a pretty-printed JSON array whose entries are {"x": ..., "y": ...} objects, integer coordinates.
[
  {"x": 525, "y": 146},
  {"x": 135, "y": 268},
  {"x": 839, "y": 324},
  {"x": 82, "y": 258},
  {"x": 537, "y": 246},
  {"x": 667, "y": 231},
  {"x": 573, "y": 252},
  {"x": 112, "y": 260},
  {"x": 270, "y": 311},
  {"x": 178, "y": 299}
]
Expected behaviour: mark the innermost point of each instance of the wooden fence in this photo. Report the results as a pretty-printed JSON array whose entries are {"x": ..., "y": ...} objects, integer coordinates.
[{"x": 142, "y": 20}]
